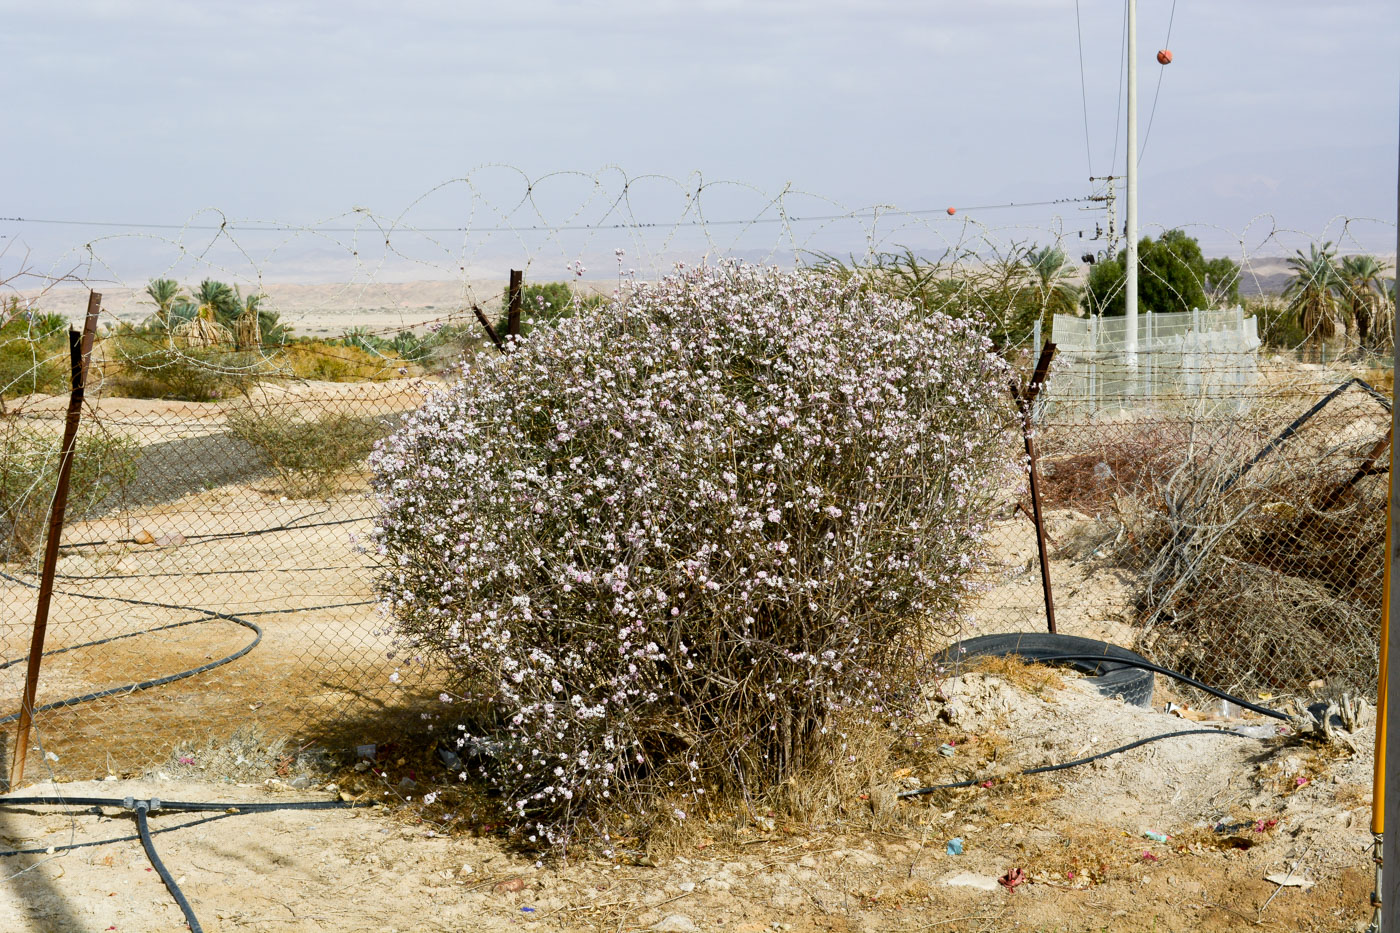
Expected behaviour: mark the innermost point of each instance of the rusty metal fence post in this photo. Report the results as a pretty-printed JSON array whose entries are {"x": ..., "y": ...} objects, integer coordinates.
[
  {"x": 517, "y": 281},
  {"x": 79, "y": 352},
  {"x": 1025, "y": 402}
]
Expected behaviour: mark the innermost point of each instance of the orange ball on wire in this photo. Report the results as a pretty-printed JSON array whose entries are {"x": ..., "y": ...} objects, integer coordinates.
[{"x": 1164, "y": 57}]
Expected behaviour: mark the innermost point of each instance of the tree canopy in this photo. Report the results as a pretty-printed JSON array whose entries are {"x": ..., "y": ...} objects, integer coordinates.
[{"x": 1173, "y": 275}]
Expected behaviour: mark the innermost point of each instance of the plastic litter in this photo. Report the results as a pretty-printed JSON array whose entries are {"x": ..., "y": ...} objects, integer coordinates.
[
  {"x": 946, "y": 750},
  {"x": 955, "y": 847},
  {"x": 1263, "y": 731},
  {"x": 967, "y": 879},
  {"x": 1155, "y": 836},
  {"x": 1290, "y": 880},
  {"x": 1012, "y": 878}
]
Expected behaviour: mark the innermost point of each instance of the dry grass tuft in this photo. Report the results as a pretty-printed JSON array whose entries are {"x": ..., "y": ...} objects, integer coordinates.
[
  {"x": 1287, "y": 774},
  {"x": 1028, "y": 676},
  {"x": 311, "y": 456},
  {"x": 1257, "y": 562},
  {"x": 247, "y": 755},
  {"x": 1085, "y": 855}
]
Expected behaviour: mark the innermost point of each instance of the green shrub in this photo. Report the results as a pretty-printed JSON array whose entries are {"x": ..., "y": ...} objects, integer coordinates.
[
  {"x": 545, "y": 303},
  {"x": 146, "y": 366},
  {"x": 29, "y": 472},
  {"x": 1278, "y": 324},
  {"x": 333, "y": 361},
  {"x": 33, "y": 352},
  {"x": 309, "y": 456},
  {"x": 410, "y": 346}
]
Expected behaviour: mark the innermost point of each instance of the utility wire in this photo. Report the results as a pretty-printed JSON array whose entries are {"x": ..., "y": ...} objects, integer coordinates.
[
  {"x": 1118, "y": 108},
  {"x": 1083, "y": 89},
  {"x": 258, "y": 226},
  {"x": 1161, "y": 70}
]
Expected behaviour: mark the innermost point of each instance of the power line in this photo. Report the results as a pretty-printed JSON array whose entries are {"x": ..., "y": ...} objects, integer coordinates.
[
  {"x": 260, "y": 226},
  {"x": 1160, "y": 71},
  {"x": 1083, "y": 89},
  {"x": 1118, "y": 107}
]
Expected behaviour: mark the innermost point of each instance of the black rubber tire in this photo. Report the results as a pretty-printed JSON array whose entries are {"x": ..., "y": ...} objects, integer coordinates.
[{"x": 1111, "y": 679}]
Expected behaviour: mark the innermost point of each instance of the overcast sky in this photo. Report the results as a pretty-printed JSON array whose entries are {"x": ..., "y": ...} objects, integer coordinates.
[{"x": 136, "y": 112}]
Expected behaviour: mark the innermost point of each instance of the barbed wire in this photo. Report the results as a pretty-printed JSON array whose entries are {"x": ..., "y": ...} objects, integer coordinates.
[{"x": 227, "y": 461}]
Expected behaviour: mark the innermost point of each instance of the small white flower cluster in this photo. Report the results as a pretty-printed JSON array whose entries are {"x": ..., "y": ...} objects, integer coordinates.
[{"x": 665, "y": 540}]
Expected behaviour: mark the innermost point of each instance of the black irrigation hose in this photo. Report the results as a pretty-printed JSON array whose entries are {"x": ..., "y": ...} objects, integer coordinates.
[
  {"x": 141, "y": 809},
  {"x": 154, "y": 682},
  {"x": 1175, "y": 675},
  {"x": 282, "y": 612},
  {"x": 145, "y": 833},
  {"x": 101, "y": 641},
  {"x": 1043, "y": 769},
  {"x": 126, "y": 689},
  {"x": 207, "y": 615},
  {"x": 1145, "y": 665},
  {"x": 183, "y": 806},
  {"x": 216, "y": 536},
  {"x": 203, "y": 573}
]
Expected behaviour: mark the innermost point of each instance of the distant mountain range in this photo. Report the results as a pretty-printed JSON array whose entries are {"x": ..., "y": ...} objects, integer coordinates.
[{"x": 332, "y": 308}]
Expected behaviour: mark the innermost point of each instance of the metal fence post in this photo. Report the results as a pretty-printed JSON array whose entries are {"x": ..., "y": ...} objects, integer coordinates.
[
  {"x": 517, "y": 279},
  {"x": 79, "y": 352},
  {"x": 1025, "y": 404}
]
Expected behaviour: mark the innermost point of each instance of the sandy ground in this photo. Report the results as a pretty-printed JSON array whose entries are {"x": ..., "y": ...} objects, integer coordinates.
[
  {"x": 320, "y": 679},
  {"x": 1090, "y": 600},
  {"x": 878, "y": 864},
  {"x": 317, "y": 310},
  {"x": 204, "y": 529}
]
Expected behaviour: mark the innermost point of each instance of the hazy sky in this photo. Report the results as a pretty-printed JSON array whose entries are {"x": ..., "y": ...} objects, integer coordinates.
[{"x": 150, "y": 111}]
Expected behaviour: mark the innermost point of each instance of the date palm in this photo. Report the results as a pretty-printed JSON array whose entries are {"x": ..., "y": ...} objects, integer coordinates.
[
  {"x": 1360, "y": 287},
  {"x": 168, "y": 297},
  {"x": 247, "y": 327},
  {"x": 1312, "y": 295},
  {"x": 1051, "y": 275},
  {"x": 214, "y": 303}
]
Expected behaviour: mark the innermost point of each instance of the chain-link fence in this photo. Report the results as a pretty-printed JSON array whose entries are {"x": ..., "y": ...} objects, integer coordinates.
[
  {"x": 1236, "y": 536},
  {"x": 213, "y": 575}
]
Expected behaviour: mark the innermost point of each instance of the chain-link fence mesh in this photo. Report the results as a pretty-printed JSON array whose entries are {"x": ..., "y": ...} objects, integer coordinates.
[
  {"x": 214, "y": 574},
  {"x": 1237, "y": 537},
  {"x": 221, "y": 541}
]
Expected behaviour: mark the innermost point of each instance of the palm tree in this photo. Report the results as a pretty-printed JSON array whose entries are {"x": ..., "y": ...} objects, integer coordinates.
[
  {"x": 247, "y": 327},
  {"x": 1311, "y": 291},
  {"x": 1359, "y": 285},
  {"x": 217, "y": 302},
  {"x": 214, "y": 303},
  {"x": 168, "y": 295},
  {"x": 1050, "y": 275}
]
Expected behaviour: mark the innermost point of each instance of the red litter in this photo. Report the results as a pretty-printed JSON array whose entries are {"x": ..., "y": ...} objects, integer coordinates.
[{"x": 1012, "y": 878}]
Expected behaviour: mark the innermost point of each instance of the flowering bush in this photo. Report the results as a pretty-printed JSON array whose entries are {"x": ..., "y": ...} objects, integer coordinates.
[{"x": 660, "y": 544}]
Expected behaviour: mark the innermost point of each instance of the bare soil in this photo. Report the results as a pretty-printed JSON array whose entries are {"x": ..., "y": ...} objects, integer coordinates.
[
  {"x": 1236, "y": 809},
  {"x": 1282, "y": 810},
  {"x": 206, "y": 531}
]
